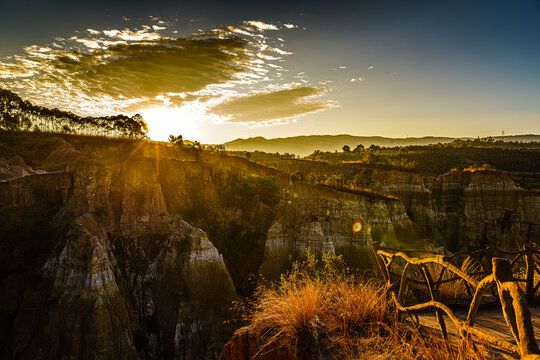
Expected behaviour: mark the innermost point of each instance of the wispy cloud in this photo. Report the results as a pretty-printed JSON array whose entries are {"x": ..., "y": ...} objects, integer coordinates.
[
  {"x": 125, "y": 70},
  {"x": 357, "y": 79}
]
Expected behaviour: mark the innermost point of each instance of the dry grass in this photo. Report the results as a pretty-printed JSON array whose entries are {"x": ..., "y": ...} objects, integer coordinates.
[
  {"x": 312, "y": 316},
  {"x": 290, "y": 316}
]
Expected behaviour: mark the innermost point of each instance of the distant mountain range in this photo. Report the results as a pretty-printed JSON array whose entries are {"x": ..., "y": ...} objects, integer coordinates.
[{"x": 305, "y": 145}]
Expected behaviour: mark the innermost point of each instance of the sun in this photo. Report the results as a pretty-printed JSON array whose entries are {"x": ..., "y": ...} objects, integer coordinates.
[{"x": 163, "y": 121}]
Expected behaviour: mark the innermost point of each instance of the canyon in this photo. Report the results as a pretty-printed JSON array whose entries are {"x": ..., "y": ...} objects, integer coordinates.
[{"x": 137, "y": 250}]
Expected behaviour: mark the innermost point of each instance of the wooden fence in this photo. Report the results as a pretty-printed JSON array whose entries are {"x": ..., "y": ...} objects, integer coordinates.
[{"x": 415, "y": 283}]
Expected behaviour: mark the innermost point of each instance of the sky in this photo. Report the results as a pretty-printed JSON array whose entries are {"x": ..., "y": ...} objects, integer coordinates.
[{"x": 215, "y": 71}]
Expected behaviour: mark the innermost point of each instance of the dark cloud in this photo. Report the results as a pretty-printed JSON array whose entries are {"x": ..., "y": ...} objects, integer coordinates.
[
  {"x": 160, "y": 67},
  {"x": 271, "y": 106},
  {"x": 127, "y": 71}
]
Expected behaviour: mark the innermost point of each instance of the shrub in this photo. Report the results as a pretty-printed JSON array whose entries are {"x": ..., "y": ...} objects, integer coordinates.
[
  {"x": 252, "y": 187},
  {"x": 320, "y": 310}
]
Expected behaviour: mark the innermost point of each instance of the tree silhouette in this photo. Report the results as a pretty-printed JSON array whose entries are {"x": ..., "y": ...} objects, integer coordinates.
[
  {"x": 358, "y": 148},
  {"x": 19, "y": 115},
  {"x": 176, "y": 140}
]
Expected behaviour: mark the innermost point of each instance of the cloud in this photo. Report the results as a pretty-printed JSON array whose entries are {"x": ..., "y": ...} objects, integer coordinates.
[
  {"x": 129, "y": 70},
  {"x": 273, "y": 106},
  {"x": 103, "y": 72},
  {"x": 263, "y": 26}
]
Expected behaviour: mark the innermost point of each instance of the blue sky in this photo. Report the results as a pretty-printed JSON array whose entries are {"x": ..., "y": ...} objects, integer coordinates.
[{"x": 391, "y": 68}]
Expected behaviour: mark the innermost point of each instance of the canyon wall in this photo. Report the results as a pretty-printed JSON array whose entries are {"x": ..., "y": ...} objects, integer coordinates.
[
  {"x": 336, "y": 222},
  {"x": 479, "y": 208},
  {"x": 137, "y": 250},
  {"x": 469, "y": 208},
  {"x": 93, "y": 265}
]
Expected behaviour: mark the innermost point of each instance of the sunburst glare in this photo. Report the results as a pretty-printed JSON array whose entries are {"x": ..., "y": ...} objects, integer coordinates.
[{"x": 186, "y": 121}]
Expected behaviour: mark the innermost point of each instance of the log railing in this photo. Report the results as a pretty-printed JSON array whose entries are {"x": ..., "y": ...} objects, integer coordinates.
[{"x": 488, "y": 276}]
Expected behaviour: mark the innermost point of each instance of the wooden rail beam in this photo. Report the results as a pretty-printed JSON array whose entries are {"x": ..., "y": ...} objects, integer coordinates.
[
  {"x": 461, "y": 326},
  {"x": 513, "y": 300},
  {"x": 438, "y": 259},
  {"x": 515, "y": 309},
  {"x": 529, "y": 289},
  {"x": 477, "y": 298}
]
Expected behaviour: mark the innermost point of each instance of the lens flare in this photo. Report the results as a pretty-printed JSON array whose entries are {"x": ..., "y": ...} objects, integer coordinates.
[{"x": 357, "y": 226}]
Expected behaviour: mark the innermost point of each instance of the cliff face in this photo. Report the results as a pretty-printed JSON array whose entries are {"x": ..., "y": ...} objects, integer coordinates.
[
  {"x": 479, "y": 208},
  {"x": 324, "y": 219},
  {"x": 15, "y": 167},
  {"x": 136, "y": 251},
  {"x": 105, "y": 271},
  {"x": 458, "y": 209},
  {"x": 407, "y": 185}
]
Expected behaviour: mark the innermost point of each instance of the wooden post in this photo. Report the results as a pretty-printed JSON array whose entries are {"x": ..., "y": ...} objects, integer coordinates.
[
  {"x": 403, "y": 283},
  {"x": 438, "y": 312},
  {"x": 477, "y": 298},
  {"x": 380, "y": 262},
  {"x": 515, "y": 309},
  {"x": 529, "y": 257}
]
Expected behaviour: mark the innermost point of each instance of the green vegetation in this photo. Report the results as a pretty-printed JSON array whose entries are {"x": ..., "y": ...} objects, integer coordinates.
[
  {"x": 252, "y": 188},
  {"x": 520, "y": 159},
  {"x": 19, "y": 115},
  {"x": 439, "y": 158},
  {"x": 177, "y": 140}
]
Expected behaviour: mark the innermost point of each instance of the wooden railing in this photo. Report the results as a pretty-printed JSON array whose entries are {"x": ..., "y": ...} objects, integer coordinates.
[{"x": 415, "y": 284}]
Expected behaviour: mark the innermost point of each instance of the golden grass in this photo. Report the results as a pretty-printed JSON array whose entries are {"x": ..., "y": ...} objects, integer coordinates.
[
  {"x": 290, "y": 316},
  {"x": 341, "y": 317}
]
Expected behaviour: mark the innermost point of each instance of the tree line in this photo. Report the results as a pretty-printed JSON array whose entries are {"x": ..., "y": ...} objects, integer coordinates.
[{"x": 19, "y": 115}]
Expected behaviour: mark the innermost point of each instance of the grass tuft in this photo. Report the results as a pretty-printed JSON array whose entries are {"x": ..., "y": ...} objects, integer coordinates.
[{"x": 321, "y": 311}]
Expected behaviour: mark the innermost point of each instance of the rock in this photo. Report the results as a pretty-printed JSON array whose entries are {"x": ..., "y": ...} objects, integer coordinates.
[
  {"x": 119, "y": 278},
  {"x": 322, "y": 219},
  {"x": 245, "y": 345},
  {"x": 481, "y": 208},
  {"x": 458, "y": 209},
  {"x": 35, "y": 191},
  {"x": 114, "y": 247},
  {"x": 88, "y": 315},
  {"x": 63, "y": 153},
  {"x": 15, "y": 168}
]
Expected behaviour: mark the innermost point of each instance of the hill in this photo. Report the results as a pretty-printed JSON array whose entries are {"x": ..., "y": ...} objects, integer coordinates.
[{"x": 305, "y": 145}]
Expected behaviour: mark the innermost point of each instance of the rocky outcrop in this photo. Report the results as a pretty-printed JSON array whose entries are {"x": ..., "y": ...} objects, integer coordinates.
[
  {"x": 115, "y": 275},
  {"x": 145, "y": 247},
  {"x": 480, "y": 208},
  {"x": 470, "y": 208},
  {"x": 63, "y": 153},
  {"x": 14, "y": 168},
  {"x": 407, "y": 185},
  {"x": 88, "y": 315},
  {"x": 324, "y": 219},
  {"x": 35, "y": 190}
]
